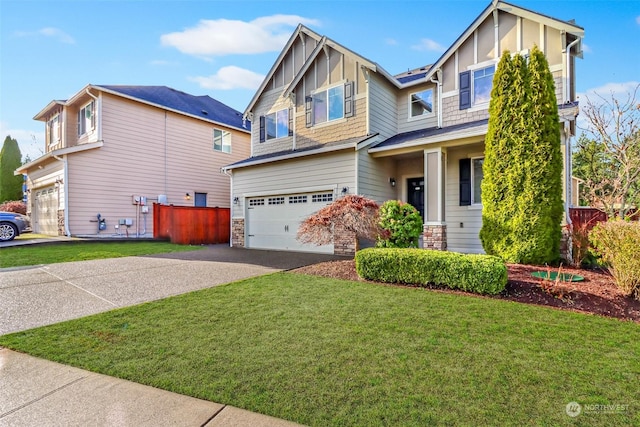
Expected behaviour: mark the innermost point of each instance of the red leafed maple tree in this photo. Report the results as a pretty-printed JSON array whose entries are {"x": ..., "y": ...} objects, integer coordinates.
[{"x": 354, "y": 213}]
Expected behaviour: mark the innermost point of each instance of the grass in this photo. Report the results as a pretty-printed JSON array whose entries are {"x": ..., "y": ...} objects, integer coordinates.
[
  {"x": 326, "y": 352},
  {"x": 17, "y": 256}
]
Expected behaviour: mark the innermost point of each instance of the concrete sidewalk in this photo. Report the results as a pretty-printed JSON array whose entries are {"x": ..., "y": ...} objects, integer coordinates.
[{"x": 36, "y": 392}]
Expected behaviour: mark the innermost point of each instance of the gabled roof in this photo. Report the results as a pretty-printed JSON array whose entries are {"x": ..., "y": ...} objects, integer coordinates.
[
  {"x": 495, "y": 5},
  {"x": 200, "y": 107}
]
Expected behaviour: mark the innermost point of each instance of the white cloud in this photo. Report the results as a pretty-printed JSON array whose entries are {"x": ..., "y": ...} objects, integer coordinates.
[
  {"x": 586, "y": 48},
  {"x": 391, "y": 42},
  {"x": 429, "y": 45},
  {"x": 230, "y": 77},
  {"x": 31, "y": 143},
  {"x": 52, "y": 32},
  {"x": 225, "y": 37},
  {"x": 638, "y": 19}
]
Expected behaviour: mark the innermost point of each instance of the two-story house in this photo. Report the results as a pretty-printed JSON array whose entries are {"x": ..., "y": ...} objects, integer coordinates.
[
  {"x": 117, "y": 150},
  {"x": 332, "y": 122}
]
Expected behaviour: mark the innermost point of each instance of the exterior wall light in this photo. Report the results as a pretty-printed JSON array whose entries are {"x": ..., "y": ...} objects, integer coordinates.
[
  {"x": 392, "y": 181},
  {"x": 187, "y": 196}
]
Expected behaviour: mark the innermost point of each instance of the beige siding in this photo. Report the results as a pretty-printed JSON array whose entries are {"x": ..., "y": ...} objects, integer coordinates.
[
  {"x": 463, "y": 222},
  {"x": 453, "y": 115},
  {"x": 270, "y": 102},
  {"x": 449, "y": 75},
  {"x": 305, "y": 174},
  {"x": 507, "y": 32},
  {"x": 406, "y": 123},
  {"x": 530, "y": 33},
  {"x": 383, "y": 116},
  {"x": 554, "y": 43},
  {"x": 146, "y": 152},
  {"x": 374, "y": 175},
  {"x": 486, "y": 41}
]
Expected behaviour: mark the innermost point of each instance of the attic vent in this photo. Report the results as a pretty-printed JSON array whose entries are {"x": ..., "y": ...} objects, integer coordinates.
[
  {"x": 422, "y": 69},
  {"x": 204, "y": 112}
]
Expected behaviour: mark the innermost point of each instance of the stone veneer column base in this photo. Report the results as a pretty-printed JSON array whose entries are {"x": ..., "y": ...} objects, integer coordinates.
[
  {"x": 344, "y": 241},
  {"x": 237, "y": 232},
  {"x": 435, "y": 237},
  {"x": 566, "y": 246}
]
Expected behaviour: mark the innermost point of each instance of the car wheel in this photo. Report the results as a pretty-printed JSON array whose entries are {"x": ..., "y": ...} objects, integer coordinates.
[{"x": 7, "y": 232}]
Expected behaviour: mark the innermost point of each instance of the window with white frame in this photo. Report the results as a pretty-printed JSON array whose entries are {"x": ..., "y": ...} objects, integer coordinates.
[
  {"x": 54, "y": 130},
  {"x": 482, "y": 84},
  {"x": 277, "y": 124},
  {"x": 222, "y": 140},
  {"x": 476, "y": 180},
  {"x": 86, "y": 119},
  {"x": 421, "y": 103},
  {"x": 328, "y": 104}
]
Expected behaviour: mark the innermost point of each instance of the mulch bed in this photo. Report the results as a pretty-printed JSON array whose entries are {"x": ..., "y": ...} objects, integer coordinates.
[{"x": 597, "y": 294}]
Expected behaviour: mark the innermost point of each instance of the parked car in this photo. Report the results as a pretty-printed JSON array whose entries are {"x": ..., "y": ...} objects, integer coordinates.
[{"x": 12, "y": 225}]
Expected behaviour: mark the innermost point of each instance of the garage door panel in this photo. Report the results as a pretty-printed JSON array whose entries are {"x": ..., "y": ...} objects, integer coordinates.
[
  {"x": 45, "y": 216},
  {"x": 272, "y": 222}
]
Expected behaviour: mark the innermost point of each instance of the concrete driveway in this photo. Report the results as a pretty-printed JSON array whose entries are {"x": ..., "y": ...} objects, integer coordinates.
[{"x": 47, "y": 294}]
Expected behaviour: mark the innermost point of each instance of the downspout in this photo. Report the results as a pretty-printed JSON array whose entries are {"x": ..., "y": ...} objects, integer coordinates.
[
  {"x": 225, "y": 171},
  {"x": 567, "y": 92},
  {"x": 65, "y": 178},
  {"x": 367, "y": 78},
  {"x": 438, "y": 81},
  {"x": 292, "y": 98}
]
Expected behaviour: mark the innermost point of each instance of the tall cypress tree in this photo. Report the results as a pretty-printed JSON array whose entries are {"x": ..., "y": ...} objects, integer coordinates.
[
  {"x": 522, "y": 203},
  {"x": 10, "y": 160}
]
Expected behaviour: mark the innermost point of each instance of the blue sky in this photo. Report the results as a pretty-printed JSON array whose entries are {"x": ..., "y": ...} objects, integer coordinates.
[{"x": 51, "y": 49}]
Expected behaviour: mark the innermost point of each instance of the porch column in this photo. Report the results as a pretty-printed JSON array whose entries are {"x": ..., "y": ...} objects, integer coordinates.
[{"x": 435, "y": 227}]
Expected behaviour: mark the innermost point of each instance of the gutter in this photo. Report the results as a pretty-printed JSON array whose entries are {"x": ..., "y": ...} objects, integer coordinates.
[{"x": 568, "y": 82}]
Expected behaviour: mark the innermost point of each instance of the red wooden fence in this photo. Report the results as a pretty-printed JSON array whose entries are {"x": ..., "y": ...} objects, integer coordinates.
[
  {"x": 188, "y": 225},
  {"x": 591, "y": 216}
]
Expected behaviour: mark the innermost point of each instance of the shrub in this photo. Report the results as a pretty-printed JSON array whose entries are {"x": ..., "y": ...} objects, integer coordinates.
[
  {"x": 617, "y": 242},
  {"x": 400, "y": 224},
  {"x": 483, "y": 274},
  {"x": 581, "y": 248},
  {"x": 354, "y": 213},
  {"x": 17, "y": 206}
]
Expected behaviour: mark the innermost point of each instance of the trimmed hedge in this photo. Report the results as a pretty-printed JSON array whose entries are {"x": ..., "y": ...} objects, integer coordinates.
[{"x": 482, "y": 274}]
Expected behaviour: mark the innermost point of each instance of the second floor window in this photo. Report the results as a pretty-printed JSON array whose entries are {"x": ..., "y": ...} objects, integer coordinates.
[
  {"x": 330, "y": 104},
  {"x": 222, "y": 140},
  {"x": 54, "y": 130},
  {"x": 86, "y": 119},
  {"x": 277, "y": 124},
  {"x": 421, "y": 103},
  {"x": 482, "y": 84}
]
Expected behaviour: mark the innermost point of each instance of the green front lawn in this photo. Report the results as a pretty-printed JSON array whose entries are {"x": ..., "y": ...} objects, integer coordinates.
[
  {"x": 329, "y": 352},
  {"x": 17, "y": 256}
]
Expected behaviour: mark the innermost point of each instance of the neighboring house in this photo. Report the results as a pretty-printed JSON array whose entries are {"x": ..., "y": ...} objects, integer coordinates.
[
  {"x": 116, "y": 150},
  {"x": 333, "y": 122}
]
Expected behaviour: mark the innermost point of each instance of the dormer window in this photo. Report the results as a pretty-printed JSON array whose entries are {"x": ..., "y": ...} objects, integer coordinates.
[
  {"x": 421, "y": 103},
  {"x": 86, "y": 119}
]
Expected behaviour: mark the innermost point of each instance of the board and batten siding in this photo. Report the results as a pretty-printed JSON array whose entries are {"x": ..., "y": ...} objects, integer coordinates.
[
  {"x": 331, "y": 171},
  {"x": 146, "y": 152},
  {"x": 463, "y": 238}
]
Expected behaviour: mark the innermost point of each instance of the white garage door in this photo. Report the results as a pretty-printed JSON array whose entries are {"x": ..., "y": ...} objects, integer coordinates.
[
  {"x": 44, "y": 216},
  {"x": 273, "y": 221}
]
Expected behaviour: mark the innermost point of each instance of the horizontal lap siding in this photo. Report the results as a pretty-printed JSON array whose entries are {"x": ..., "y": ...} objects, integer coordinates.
[
  {"x": 373, "y": 177},
  {"x": 329, "y": 171},
  {"x": 383, "y": 117},
  {"x": 465, "y": 239},
  {"x": 132, "y": 162},
  {"x": 404, "y": 123}
]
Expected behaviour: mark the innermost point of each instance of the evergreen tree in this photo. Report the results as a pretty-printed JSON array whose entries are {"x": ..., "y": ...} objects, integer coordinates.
[
  {"x": 10, "y": 160},
  {"x": 522, "y": 184}
]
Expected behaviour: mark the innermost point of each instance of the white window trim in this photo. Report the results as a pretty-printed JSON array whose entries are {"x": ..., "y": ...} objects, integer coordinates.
[
  {"x": 92, "y": 122},
  {"x": 213, "y": 142},
  {"x": 411, "y": 118},
  {"x": 475, "y": 204},
  {"x": 326, "y": 89},
  {"x": 275, "y": 113},
  {"x": 473, "y": 68},
  {"x": 58, "y": 133}
]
